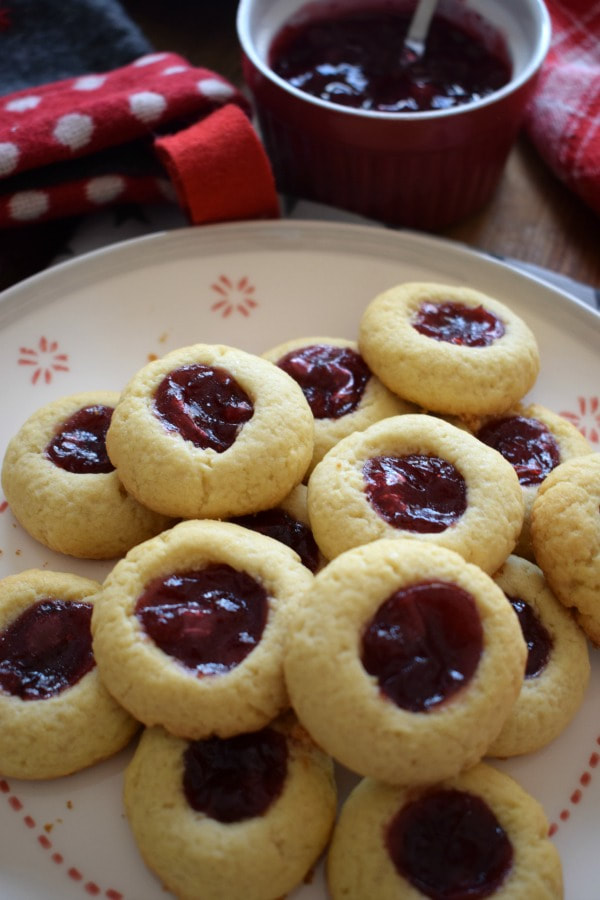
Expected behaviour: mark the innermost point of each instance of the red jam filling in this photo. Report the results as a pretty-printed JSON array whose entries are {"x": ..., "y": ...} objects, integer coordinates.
[
  {"x": 47, "y": 649},
  {"x": 423, "y": 644},
  {"x": 235, "y": 778},
  {"x": 333, "y": 379},
  {"x": 354, "y": 59},
  {"x": 209, "y": 619},
  {"x": 525, "y": 443},
  {"x": 79, "y": 445},
  {"x": 279, "y": 525},
  {"x": 454, "y": 323},
  {"x": 449, "y": 845},
  {"x": 536, "y": 635},
  {"x": 204, "y": 404},
  {"x": 417, "y": 493}
]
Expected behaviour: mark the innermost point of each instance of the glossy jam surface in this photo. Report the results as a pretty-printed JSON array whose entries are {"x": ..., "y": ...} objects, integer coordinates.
[
  {"x": 354, "y": 59},
  {"x": 450, "y": 846},
  {"x": 236, "y": 778},
  {"x": 278, "y": 524},
  {"x": 536, "y": 635},
  {"x": 454, "y": 323},
  {"x": 79, "y": 445},
  {"x": 204, "y": 404},
  {"x": 417, "y": 493},
  {"x": 333, "y": 379},
  {"x": 526, "y": 443},
  {"x": 209, "y": 619},
  {"x": 423, "y": 644},
  {"x": 47, "y": 649}
]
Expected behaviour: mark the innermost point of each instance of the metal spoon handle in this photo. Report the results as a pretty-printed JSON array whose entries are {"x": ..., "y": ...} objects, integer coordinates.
[{"x": 416, "y": 35}]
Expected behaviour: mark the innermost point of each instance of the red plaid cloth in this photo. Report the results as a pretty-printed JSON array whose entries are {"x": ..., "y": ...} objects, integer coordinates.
[
  {"x": 156, "y": 129},
  {"x": 564, "y": 119}
]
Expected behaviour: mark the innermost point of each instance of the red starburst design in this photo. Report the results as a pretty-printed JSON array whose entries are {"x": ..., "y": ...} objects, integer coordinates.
[
  {"x": 587, "y": 419},
  {"x": 234, "y": 296},
  {"x": 44, "y": 359}
]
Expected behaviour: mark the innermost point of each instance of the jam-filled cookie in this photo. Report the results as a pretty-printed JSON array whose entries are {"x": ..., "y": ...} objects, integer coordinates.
[
  {"x": 477, "y": 835},
  {"x": 289, "y": 523},
  {"x": 343, "y": 394},
  {"x": 56, "y": 716},
  {"x": 565, "y": 530},
  {"x": 210, "y": 431},
  {"x": 558, "y": 667},
  {"x": 420, "y": 477},
  {"x": 241, "y": 818},
  {"x": 449, "y": 349},
  {"x": 535, "y": 440},
  {"x": 403, "y": 661},
  {"x": 62, "y": 487},
  {"x": 189, "y": 628}
]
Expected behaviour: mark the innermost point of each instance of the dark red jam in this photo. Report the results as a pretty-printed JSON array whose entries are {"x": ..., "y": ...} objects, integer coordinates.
[
  {"x": 279, "y": 525},
  {"x": 423, "y": 644},
  {"x": 209, "y": 619},
  {"x": 450, "y": 846},
  {"x": 454, "y": 323},
  {"x": 204, "y": 404},
  {"x": 47, "y": 649},
  {"x": 536, "y": 635},
  {"x": 333, "y": 379},
  {"x": 79, "y": 445},
  {"x": 527, "y": 444},
  {"x": 235, "y": 778},
  {"x": 417, "y": 493},
  {"x": 354, "y": 58}
]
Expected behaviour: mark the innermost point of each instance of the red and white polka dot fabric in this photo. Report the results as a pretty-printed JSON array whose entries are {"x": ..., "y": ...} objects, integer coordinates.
[{"x": 156, "y": 129}]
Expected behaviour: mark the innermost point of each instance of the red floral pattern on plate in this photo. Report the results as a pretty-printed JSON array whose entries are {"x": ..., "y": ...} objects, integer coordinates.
[
  {"x": 233, "y": 296},
  {"x": 44, "y": 359},
  {"x": 587, "y": 418}
]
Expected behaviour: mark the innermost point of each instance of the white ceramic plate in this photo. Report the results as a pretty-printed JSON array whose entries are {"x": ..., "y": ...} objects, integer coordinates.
[{"x": 91, "y": 323}]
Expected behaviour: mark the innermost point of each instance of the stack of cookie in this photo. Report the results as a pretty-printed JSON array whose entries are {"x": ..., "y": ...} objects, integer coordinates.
[{"x": 318, "y": 565}]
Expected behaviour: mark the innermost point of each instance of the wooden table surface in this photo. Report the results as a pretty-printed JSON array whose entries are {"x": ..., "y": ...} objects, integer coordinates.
[{"x": 532, "y": 216}]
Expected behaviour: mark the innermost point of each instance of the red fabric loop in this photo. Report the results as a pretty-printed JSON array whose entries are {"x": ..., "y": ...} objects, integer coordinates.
[{"x": 219, "y": 169}]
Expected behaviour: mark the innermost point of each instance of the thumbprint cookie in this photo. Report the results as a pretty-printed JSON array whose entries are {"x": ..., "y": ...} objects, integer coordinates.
[
  {"x": 451, "y": 350},
  {"x": 403, "y": 661},
  {"x": 565, "y": 530},
  {"x": 189, "y": 628},
  {"x": 239, "y": 818},
  {"x": 419, "y": 477},
  {"x": 288, "y": 523},
  {"x": 62, "y": 487},
  {"x": 343, "y": 394},
  {"x": 210, "y": 431},
  {"x": 473, "y": 836},
  {"x": 535, "y": 441},
  {"x": 56, "y": 716},
  {"x": 557, "y": 672}
]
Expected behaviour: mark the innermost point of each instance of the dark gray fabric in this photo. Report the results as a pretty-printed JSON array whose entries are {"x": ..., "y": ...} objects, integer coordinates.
[{"x": 47, "y": 40}]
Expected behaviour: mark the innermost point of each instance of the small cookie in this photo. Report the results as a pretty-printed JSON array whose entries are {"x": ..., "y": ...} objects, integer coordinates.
[
  {"x": 449, "y": 349},
  {"x": 189, "y": 628},
  {"x": 238, "y": 819},
  {"x": 402, "y": 844},
  {"x": 558, "y": 666},
  {"x": 288, "y": 523},
  {"x": 565, "y": 531},
  {"x": 403, "y": 661},
  {"x": 56, "y": 716},
  {"x": 535, "y": 441},
  {"x": 62, "y": 487},
  {"x": 420, "y": 477},
  {"x": 343, "y": 394},
  {"x": 211, "y": 432}
]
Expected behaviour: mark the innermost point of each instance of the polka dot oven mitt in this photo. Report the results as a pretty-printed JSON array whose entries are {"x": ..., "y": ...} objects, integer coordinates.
[{"x": 154, "y": 129}]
